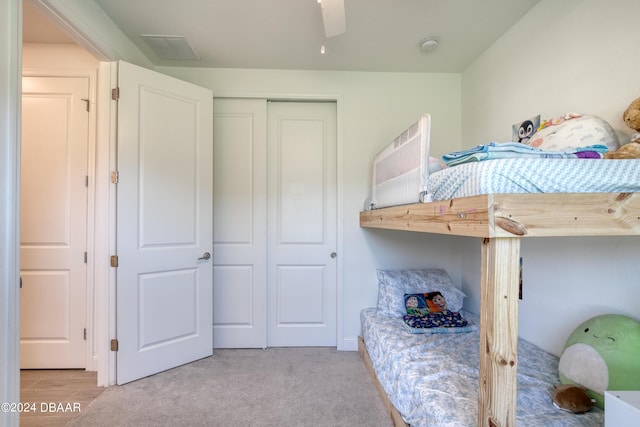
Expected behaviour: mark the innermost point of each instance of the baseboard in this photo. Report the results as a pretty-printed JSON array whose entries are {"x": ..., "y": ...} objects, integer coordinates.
[{"x": 349, "y": 344}]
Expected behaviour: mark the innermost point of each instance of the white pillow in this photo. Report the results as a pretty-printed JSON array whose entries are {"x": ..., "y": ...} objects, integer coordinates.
[{"x": 574, "y": 131}]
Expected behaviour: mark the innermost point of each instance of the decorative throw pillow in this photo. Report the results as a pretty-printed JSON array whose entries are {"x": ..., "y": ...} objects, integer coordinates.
[
  {"x": 394, "y": 284},
  {"x": 425, "y": 303},
  {"x": 574, "y": 131}
]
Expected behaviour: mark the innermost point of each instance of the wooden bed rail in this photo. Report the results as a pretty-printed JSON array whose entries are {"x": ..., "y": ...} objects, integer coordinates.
[
  {"x": 502, "y": 220},
  {"x": 516, "y": 215}
]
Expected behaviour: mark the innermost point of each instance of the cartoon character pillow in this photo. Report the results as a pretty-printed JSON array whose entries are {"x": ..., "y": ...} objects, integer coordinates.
[
  {"x": 428, "y": 313},
  {"x": 424, "y": 303}
]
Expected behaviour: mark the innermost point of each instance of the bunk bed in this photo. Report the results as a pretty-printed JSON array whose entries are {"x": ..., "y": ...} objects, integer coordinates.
[{"x": 501, "y": 220}]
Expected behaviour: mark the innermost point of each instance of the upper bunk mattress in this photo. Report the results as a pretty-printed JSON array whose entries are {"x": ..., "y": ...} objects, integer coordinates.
[{"x": 521, "y": 175}]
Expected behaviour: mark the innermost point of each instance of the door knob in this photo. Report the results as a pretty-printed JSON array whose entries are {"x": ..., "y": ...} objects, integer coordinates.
[
  {"x": 333, "y": 254},
  {"x": 205, "y": 256}
]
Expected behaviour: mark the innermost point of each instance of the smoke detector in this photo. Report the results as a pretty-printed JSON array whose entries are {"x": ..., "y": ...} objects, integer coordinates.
[{"x": 429, "y": 44}]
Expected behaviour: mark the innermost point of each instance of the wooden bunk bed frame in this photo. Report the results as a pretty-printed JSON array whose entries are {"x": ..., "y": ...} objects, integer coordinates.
[{"x": 501, "y": 220}]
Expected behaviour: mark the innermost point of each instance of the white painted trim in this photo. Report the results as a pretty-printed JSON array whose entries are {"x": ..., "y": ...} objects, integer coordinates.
[
  {"x": 105, "y": 283},
  {"x": 10, "y": 116},
  {"x": 350, "y": 344}
]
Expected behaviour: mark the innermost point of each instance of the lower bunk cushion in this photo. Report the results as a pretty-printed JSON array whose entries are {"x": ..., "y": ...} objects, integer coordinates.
[{"x": 432, "y": 379}]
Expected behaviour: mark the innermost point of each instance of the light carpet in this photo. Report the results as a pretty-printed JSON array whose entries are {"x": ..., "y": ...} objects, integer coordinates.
[{"x": 273, "y": 387}]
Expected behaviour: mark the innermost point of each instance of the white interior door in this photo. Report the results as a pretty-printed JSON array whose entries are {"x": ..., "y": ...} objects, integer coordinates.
[
  {"x": 164, "y": 222},
  {"x": 240, "y": 223},
  {"x": 53, "y": 229},
  {"x": 301, "y": 224}
]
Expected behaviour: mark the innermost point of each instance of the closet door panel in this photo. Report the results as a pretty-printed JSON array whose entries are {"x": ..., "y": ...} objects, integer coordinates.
[
  {"x": 302, "y": 224},
  {"x": 239, "y": 271}
]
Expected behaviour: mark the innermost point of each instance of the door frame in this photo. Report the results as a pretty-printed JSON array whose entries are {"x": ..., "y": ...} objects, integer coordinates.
[
  {"x": 342, "y": 344},
  {"x": 105, "y": 221},
  {"x": 10, "y": 116},
  {"x": 91, "y": 358}
]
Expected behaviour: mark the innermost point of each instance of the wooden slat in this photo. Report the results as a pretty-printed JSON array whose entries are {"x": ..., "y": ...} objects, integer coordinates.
[
  {"x": 516, "y": 215},
  {"x": 467, "y": 216},
  {"x": 497, "y": 382},
  {"x": 573, "y": 214}
]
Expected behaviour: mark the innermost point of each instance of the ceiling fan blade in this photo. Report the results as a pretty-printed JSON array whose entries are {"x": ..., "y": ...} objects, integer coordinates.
[{"x": 333, "y": 17}]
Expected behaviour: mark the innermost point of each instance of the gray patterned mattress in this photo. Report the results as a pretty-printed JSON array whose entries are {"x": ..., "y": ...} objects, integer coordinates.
[{"x": 432, "y": 379}]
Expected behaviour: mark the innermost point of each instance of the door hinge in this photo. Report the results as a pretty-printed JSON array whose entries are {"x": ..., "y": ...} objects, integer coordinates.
[
  {"x": 114, "y": 260},
  {"x": 86, "y": 181},
  {"x": 114, "y": 345},
  {"x": 87, "y": 102},
  {"x": 85, "y": 257},
  {"x": 115, "y": 177},
  {"x": 84, "y": 334},
  {"x": 115, "y": 93}
]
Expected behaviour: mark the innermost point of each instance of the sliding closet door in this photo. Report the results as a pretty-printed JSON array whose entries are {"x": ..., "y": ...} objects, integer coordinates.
[
  {"x": 239, "y": 223},
  {"x": 302, "y": 224},
  {"x": 274, "y": 224}
]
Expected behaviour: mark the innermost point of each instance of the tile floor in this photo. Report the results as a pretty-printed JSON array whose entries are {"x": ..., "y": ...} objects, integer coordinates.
[{"x": 56, "y": 395}]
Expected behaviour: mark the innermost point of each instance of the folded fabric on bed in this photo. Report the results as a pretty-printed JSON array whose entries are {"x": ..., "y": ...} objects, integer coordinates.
[
  {"x": 444, "y": 319},
  {"x": 510, "y": 150},
  {"x": 455, "y": 324},
  {"x": 433, "y": 379},
  {"x": 535, "y": 176}
]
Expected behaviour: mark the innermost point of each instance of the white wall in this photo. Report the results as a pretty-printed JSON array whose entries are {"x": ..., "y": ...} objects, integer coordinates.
[
  {"x": 57, "y": 57},
  {"x": 572, "y": 55},
  {"x": 373, "y": 109}
]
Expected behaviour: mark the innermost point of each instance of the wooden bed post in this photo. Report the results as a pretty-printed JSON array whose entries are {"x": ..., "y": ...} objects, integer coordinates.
[{"x": 499, "y": 332}]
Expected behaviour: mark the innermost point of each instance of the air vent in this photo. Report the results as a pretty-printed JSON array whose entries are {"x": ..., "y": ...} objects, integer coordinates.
[{"x": 172, "y": 48}]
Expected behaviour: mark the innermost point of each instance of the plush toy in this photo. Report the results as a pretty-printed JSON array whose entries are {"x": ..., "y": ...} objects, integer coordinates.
[
  {"x": 572, "y": 398},
  {"x": 602, "y": 354},
  {"x": 572, "y": 131},
  {"x": 627, "y": 151},
  {"x": 631, "y": 118}
]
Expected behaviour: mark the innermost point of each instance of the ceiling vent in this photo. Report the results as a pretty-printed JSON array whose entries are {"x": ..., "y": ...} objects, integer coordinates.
[{"x": 171, "y": 48}]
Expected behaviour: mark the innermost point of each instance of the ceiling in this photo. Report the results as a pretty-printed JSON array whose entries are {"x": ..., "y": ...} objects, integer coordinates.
[{"x": 381, "y": 35}]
